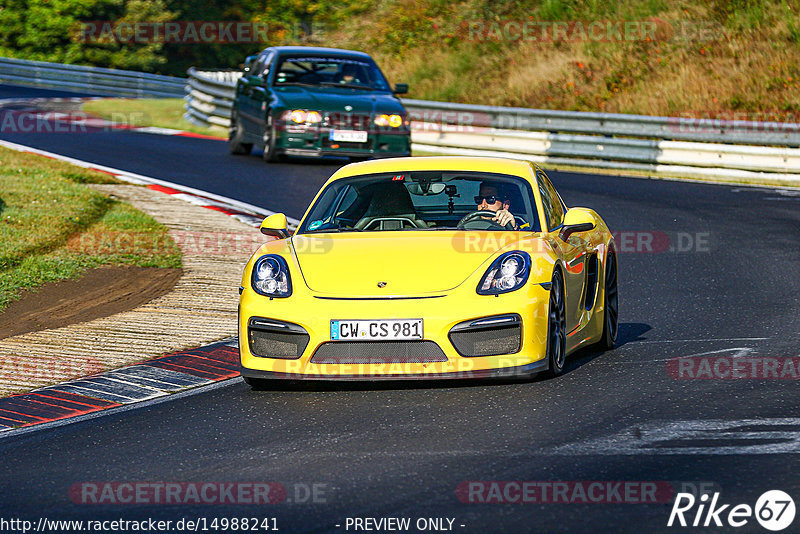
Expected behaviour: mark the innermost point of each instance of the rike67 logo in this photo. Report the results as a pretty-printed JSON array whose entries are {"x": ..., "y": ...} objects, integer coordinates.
[{"x": 774, "y": 510}]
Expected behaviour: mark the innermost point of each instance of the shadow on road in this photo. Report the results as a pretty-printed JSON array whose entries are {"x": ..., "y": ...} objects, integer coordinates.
[{"x": 629, "y": 332}]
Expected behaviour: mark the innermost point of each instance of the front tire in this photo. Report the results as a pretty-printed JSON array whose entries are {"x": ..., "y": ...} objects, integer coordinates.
[
  {"x": 556, "y": 327},
  {"x": 235, "y": 137},
  {"x": 610, "y": 304},
  {"x": 270, "y": 154}
]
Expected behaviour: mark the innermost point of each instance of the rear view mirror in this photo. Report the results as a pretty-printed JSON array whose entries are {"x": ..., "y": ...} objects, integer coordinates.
[
  {"x": 400, "y": 89},
  {"x": 425, "y": 188}
]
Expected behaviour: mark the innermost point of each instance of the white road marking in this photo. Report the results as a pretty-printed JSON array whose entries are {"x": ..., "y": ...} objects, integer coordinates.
[
  {"x": 739, "y": 436},
  {"x": 702, "y": 340},
  {"x": 738, "y": 352}
]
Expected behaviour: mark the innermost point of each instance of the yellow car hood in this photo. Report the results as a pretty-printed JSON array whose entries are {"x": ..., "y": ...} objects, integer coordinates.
[{"x": 409, "y": 262}]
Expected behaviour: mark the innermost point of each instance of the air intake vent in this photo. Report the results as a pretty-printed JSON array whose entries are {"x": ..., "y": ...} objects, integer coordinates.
[
  {"x": 268, "y": 338},
  {"x": 378, "y": 352},
  {"x": 490, "y": 336},
  {"x": 591, "y": 281}
]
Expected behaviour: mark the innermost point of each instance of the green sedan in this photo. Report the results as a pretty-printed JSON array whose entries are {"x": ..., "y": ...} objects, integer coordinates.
[{"x": 309, "y": 101}]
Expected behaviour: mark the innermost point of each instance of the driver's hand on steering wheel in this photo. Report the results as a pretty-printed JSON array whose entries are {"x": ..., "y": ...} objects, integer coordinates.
[{"x": 503, "y": 217}]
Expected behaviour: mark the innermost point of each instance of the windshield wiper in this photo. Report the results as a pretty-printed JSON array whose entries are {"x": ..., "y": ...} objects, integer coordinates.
[
  {"x": 301, "y": 84},
  {"x": 331, "y": 230},
  {"x": 348, "y": 86}
]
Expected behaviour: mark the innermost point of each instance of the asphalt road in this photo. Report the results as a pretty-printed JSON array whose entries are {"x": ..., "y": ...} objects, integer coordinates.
[{"x": 721, "y": 279}]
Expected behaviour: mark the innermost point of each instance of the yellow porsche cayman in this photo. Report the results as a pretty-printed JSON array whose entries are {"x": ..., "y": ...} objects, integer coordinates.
[{"x": 439, "y": 267}]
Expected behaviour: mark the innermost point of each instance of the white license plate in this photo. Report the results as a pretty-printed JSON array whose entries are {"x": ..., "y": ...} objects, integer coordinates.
[
  {"x": 394, "y": 329},
  {"x": 349, "y": 136}
]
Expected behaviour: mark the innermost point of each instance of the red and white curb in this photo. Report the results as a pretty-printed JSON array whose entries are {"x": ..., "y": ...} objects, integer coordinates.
[
  {"x": 160, "y": 377},
  {"x": 247, "y": 213}
]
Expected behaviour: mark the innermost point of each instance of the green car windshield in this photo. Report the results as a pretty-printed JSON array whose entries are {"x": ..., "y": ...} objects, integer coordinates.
[
  {"x": 344, "y": 72},
  {"x": 421, "y": 200}
]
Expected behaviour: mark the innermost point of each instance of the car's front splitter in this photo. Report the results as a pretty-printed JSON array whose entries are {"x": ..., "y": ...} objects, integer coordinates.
[{"x": 504, "y": 372}]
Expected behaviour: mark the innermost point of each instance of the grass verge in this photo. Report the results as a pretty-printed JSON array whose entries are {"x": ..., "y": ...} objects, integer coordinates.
[
  {"x": 53, "y": 226},
  {"x": 161, "y": 112}
]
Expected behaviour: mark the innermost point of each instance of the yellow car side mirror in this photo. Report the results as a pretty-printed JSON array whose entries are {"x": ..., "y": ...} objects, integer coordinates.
[
  {"x": 577, "y": 220},
  {"x": 275, "y": 225}
]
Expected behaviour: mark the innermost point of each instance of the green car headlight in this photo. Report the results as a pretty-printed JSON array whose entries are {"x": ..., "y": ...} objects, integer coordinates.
[
  {"x": 395, "y": 121},
  {"x": 301, "y": 116}
]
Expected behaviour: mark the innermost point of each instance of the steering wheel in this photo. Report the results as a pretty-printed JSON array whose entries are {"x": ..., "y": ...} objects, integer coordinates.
[{"x": 482, "y": 216}]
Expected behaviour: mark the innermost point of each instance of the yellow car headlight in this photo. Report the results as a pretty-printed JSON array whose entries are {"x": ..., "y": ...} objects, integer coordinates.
[
  {"x": 507, "y": 273},
  {"x": 270, "y": 276}
]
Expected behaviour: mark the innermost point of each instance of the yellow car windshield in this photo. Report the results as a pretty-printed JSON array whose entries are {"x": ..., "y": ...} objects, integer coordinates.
[{"x": 422, "y": 200}]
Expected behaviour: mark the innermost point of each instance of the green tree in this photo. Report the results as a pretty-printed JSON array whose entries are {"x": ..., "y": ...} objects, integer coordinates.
[{"x": 58, "y": 31}]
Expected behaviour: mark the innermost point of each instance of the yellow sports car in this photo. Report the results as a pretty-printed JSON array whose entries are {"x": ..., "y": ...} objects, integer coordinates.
[{"x": 428, "y": 267}]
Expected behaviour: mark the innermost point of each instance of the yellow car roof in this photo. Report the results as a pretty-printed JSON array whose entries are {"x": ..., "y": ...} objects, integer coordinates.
[{"x": 513, "y": 167}]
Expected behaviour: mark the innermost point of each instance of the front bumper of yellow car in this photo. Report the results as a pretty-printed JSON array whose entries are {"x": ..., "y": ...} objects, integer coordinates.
[{"x": 465, "y": 335}]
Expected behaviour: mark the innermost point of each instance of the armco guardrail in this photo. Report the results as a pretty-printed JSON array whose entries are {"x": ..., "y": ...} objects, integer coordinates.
[
  {"x": 209, "y": 96},
  {"x": 608, "y": 124},
  {"x": 662, "y": 145},
  {"x": 94, "y": 80}
]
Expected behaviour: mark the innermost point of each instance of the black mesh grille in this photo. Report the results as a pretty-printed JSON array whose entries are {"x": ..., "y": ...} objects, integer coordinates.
[
  {"x": 487, "y": 341},
  {"x": 272, "y": 344},
  {"x": 379, "y": 352}
]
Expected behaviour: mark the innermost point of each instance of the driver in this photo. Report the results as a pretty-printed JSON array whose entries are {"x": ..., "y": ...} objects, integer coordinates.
[
  {"x": 349, "y": 74},
  {"x": 491, "y": 198}
]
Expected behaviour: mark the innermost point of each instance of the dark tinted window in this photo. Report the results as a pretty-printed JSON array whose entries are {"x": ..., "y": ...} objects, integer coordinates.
[
  {"x": 356, "y": 73},
  {"x": 553, "y": 207},
  {"x": 421, "y": 200}
]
